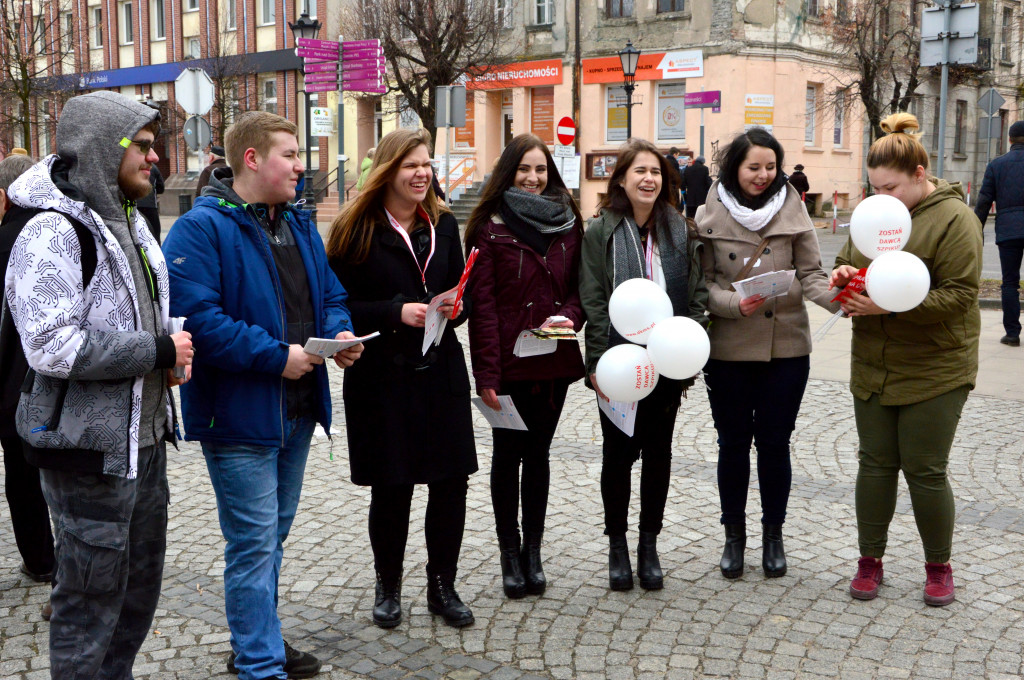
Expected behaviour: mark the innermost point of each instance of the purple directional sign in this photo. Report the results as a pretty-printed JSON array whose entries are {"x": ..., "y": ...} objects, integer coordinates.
[
  {"x": 321, "y": 67},
  {"x": 360, "y": 74},
  {"x": 364, "y": 63},
  {"x": 326, "y": 55},
  {"x": 357, "y": 44},
  {"x": 322, "y": 87},
  {"x": 702, "y": 100},
  {"x": 321, "y": 77},
  {"x": 361, "y": 54},
  {"x": 318, "y": 44},
  {"x": 362, "y": 85}
]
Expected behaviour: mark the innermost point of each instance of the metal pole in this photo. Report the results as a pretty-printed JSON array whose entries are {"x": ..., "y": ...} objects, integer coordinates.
[
  {"x": 702, "y": 126},
  {"x": 947, "y": 13},
  {"x": 629, "y": 109},
  {"x": 341, "y": 122},
  {"x": 308, "y": 194}
]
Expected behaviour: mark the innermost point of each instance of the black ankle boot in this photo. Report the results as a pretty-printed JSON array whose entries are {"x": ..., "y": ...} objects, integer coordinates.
[
  {"x": 512, "y": 581},
  {"x": 387, "y": 602},
  {"x": 620, "y": 571},
  {"x": 533, "y": 571},
  {"x": 732, "y": 556},
  {"x": 774, "y": 556},
  {"x": 443, "y": 600},
  {"x": 648, "y": 566}
]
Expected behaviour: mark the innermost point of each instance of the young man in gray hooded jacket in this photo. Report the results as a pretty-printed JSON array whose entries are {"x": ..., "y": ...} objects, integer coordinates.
[{"x": 96, "y": 408}]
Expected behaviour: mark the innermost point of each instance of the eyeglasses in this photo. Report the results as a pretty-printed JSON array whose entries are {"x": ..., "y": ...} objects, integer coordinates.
[{"x": 144, "y": 145}]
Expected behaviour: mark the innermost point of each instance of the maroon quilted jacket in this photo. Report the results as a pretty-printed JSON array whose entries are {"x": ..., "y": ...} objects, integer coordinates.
[{"x": 514, "y": 289}]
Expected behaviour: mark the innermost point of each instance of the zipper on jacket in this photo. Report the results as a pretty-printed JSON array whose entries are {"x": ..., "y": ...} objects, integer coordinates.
[
  {"x": 59, "y": 406},
  {"x": 520, "y": 274},
  {"x": 280, "y": 304}
]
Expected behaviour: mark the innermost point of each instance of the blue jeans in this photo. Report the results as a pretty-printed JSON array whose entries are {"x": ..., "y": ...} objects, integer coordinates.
[
  {"x": 257, "y": 491},
  {"x": 1010, "y": 254}
]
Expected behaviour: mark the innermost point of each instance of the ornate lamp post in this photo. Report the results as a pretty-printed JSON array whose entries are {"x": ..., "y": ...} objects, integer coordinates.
[
  {"x": 307, "y": 28},
  {"x": 629, "y": 56}
]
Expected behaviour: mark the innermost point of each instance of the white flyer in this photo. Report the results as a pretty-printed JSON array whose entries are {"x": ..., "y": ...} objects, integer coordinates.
[
  {"x": 435, "y": 321},
  {"x": 507, "y": 418},
  {"x": 327, "y": 347},
  {"x": 529, "y": 345},
  {"x": 621, "y": 413},
  {"x": 770, "y": 285}
]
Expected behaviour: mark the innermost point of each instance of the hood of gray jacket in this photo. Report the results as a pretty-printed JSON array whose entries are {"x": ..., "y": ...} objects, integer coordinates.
[{"x": 91, "y": 136}]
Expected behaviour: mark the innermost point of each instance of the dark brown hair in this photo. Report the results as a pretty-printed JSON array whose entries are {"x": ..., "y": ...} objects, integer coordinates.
[
  {"x": 504, "y": 175},
  {"x": 616, "y": 199}
]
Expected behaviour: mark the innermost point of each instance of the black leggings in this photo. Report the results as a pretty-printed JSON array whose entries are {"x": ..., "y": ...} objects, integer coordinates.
[
  {"x": 540, "y": 405},
  {"x": 445, "y": 521},
  {"x": 651, "y": 440}
]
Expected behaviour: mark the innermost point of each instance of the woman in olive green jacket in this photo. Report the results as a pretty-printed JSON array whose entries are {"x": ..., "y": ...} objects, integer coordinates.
[
  {"x": 638, "y": 234},
  {"x": 911, "y": 371}
]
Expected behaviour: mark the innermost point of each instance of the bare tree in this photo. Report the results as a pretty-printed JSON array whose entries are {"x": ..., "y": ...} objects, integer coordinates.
[
  {"x": 34, "y": 48},
  {"x": 877, "y": 40},
  {"x": 429, "y": 43}
]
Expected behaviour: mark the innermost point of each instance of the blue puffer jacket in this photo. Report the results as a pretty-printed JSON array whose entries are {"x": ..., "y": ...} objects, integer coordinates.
[
  {"x": 223, "y": 278},
  {"x": 1004, "y": 184}
]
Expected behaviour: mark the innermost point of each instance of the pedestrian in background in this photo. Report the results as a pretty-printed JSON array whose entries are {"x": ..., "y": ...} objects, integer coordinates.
[
  {"x": 29, "y": 516},
  {"x": 755, "y": 223},
  {"x": 638, "y": 234},
  {"x": 679, "y": 166},
  {"x": 215, "y": 160},
  {"x": 696, "y": 182},
  {"x": 407, "y": 411},
  {"x": 364, "y": 168},
  {"x": 528, "y": 231},
  {"x": 88, "y": 289},
  {"x": 1004, "y": 186},
  {"x": 249, "y": 272},
  {"x": 911, "y": 371}
]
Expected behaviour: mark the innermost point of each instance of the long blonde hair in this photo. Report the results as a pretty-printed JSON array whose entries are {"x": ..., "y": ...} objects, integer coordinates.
[
  {"x": 352, "y": 230},
  {"x": 901, "y": 148}
]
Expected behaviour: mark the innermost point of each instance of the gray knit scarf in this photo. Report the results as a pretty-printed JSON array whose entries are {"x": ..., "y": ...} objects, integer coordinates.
[
  {"x": 629, "y": 262},
  {"x": 548, "y": 214}
]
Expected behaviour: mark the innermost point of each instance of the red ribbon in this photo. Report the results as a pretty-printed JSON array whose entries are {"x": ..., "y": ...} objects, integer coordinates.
[{"x": 856, "y": 286}]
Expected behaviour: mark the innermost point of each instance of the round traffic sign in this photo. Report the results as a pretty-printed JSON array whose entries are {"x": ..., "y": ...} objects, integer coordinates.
[
  {"x": 566, "y": 131},
  {"x": 197, "y": 133}
]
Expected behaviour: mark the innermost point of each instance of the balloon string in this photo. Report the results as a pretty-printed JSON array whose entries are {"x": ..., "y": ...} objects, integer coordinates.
[{"x": 827, "y": 326}]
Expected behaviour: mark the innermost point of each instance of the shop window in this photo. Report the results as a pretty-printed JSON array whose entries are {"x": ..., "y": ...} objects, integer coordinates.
[{"x": 671, "y": 111}]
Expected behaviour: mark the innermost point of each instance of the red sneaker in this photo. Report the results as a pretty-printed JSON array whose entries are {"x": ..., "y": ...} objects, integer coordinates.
[
  {"x": 938, "y": 588},
  {"x": 869, "y": 576}
]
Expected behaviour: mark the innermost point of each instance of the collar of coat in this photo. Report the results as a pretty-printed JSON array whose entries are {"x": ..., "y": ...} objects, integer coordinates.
[{"x": 718, "y": 223}]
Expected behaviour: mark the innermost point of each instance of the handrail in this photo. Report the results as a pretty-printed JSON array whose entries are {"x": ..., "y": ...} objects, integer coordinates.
[{"x": 323, "y": 186}]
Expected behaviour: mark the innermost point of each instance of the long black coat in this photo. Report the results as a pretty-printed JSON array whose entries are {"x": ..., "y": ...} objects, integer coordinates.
[
  {"x": 696, "y": 182},
  {"x": 408, "y": 416}
]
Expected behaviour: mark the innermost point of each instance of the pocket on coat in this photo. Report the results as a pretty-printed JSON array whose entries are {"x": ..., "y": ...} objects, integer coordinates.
[{"x": 94, "y": 548}]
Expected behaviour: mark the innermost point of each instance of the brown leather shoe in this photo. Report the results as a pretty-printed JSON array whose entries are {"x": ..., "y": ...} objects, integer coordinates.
[{"x": 47, "y": 611}]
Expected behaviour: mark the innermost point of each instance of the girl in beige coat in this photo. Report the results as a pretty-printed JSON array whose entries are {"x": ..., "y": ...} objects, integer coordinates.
[{"x": 759, "y": 347}]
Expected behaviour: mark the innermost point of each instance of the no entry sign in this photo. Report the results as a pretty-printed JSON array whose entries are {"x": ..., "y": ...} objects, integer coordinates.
[{"x": 566, "y": 131}]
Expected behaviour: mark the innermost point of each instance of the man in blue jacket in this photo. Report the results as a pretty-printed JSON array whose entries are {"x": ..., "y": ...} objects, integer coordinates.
[
  {"x": 250, "y": 273},
  {"x": 1004, "y": 185}
]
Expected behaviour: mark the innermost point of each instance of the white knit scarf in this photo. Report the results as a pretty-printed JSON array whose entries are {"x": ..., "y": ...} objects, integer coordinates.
[{"x": 754, "y": 220}]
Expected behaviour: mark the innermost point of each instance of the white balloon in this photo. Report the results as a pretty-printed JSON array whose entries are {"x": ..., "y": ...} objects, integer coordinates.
[
  {"x": 626, "y": 373},
  {"x": 636, "y": 306},
  {"x": 897, "y": 281},
  {"x": 679, "y": 347},
  {"x": 880, "y": 224}
]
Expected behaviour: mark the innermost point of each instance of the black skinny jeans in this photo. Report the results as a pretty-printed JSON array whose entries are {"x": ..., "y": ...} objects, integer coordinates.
[
  {"x": 29, "y": 514},
  {"x": 540, "y": 405},
  {"x": 755, "y": 401},
  {"x": 445, "y": 521},
  {"x": 651, "y": 441}
]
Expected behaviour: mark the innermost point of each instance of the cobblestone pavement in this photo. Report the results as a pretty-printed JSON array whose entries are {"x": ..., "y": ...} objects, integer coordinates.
[{"x": 700, "y": 625}]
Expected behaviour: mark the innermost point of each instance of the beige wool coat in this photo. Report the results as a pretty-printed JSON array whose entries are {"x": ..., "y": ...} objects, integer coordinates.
[{"x": 780, "y": 327}]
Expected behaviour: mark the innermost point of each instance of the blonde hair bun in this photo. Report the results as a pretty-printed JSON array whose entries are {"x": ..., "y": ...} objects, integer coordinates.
[{"x": 901, "y": 122}]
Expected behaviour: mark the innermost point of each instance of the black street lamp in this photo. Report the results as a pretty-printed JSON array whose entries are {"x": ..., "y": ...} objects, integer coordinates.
[
  {"x": 307, "y": 28},
  {"x": 629, "y": 56}
]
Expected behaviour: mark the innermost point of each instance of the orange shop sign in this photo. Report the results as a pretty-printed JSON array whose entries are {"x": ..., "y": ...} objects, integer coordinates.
[
  {"x": 651, "y": 66},
  {"x": 523, "y": 74}
]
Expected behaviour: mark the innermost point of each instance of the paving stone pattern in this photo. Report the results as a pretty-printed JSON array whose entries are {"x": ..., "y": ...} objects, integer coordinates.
[{"x": 700, "y": 625}]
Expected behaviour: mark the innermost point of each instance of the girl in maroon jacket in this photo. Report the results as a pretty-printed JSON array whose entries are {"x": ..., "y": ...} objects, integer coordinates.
[{"x": 528, "y": 230}]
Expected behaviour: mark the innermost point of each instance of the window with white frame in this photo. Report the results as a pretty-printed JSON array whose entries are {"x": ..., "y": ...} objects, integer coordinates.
[
  {"x": 127, "y": 27},
  {"x": 195, "y": 48},
  {"x": 159, "y": 26},
  {"x": 267, "y": 12},
  {"x": 309, "y": 7},
  {"x": 191, "y": 5},
  {"x": 838, "y": 138},
  {"x": 97, "y": 27},
  {"x": 810, "y": 112},
  {"x": 503, "y": 13},
  {"x": 67, "y": 32},
  {"x": 19, "y": 132},
  {"x": 268, "y": 89},
  {"x": 811, "y": 8},
  {"x": 544, "y": 12},
  {"x": 378, "y": 121},
  {"x": 1006, "y": 34},
  {"x": 44, "y": 130},
  {"x": 230, "y": 10},
  {"x": 38, "y": 34}
]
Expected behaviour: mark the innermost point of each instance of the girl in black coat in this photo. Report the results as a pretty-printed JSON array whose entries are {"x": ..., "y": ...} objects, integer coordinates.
[{"x": 407, "y": 413}]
